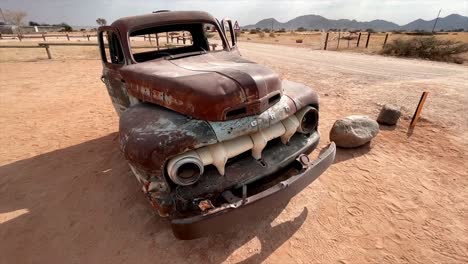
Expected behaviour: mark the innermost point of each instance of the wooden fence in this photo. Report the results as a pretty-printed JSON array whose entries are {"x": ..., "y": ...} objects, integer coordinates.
[
  {"x": 45, "y": 36},
  {"x": 362, "y": 40},
  {"x": 47, "y": 46}
]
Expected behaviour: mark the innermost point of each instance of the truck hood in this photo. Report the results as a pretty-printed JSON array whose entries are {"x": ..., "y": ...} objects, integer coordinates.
[{"x": 215, "y": 86}]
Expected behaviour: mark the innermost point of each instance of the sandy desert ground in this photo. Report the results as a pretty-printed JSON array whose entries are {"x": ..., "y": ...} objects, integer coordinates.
[{"x": 67, "y": 195}]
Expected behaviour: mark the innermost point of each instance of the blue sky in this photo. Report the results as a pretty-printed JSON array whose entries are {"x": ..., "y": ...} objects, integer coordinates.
[{"x": 85, "y": 12}]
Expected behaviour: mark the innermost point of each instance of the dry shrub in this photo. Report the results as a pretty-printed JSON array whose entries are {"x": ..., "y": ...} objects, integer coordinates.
[
  {"x": 298, "y": 40},
  {"x": 261, "y": 35},
  {"x": 272, "y": 35},
  {"x": 427, "y": 48},
  {"x": 349, "y": 37}
]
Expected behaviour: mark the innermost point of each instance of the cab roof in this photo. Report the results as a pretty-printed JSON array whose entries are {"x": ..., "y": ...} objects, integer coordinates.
[{"x": 160, "y": 18}]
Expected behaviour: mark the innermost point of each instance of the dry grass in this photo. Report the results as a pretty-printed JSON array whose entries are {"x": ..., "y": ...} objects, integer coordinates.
[{"x": 427, "y": 48}]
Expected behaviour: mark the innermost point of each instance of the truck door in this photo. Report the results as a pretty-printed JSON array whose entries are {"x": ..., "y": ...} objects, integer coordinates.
[
  {"x": 230, "y": 33},
  {"x": 112, "y": 61}
]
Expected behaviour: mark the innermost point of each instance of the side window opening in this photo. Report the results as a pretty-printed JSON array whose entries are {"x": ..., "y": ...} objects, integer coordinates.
[{"x": 112, "y": 51}]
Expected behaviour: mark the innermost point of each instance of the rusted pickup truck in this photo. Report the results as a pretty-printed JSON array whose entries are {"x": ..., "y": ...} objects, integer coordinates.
[{"x": 213, "y": 138}]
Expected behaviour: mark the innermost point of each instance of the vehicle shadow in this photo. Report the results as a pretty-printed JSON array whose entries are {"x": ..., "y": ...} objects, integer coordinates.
[
  {"x": 81, "y": 204},
  {"x": 344, "y": 154}
]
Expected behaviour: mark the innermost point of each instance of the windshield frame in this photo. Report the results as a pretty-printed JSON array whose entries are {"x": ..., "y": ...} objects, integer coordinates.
[{"x": 226, "y": 46}]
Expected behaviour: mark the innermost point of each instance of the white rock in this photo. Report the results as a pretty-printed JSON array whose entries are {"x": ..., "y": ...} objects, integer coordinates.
[{"x": 353, "y": 131}]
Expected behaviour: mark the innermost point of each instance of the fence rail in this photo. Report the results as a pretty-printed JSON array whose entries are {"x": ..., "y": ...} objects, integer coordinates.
[
  {"x": 46, "y": 46},
  {"x": 45, "y": 36}
]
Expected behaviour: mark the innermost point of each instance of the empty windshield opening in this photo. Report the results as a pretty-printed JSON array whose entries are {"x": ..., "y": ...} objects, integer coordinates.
[{"x": 165, "y": 41}]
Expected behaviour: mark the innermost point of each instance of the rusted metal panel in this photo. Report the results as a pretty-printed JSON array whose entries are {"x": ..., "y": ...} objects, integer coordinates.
[
  {"x": 301, "y": 94},
  {"x": 205, "y": 87},
  {"x": 149, "y": 135}
]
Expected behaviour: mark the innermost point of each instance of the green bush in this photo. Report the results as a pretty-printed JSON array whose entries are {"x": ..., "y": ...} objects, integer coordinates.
[{"x": 427, "y": 48}]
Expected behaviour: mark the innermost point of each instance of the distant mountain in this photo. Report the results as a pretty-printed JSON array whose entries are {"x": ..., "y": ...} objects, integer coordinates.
[
  {"x": 450, "y": 22},
  {"x": 453, "y": 21}
]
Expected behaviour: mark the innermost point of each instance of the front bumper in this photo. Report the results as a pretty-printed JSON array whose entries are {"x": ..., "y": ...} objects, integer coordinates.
[{"x": 236, "y": 213}]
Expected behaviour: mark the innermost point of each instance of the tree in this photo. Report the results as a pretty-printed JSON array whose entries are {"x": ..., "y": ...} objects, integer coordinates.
[
  {"x": 300, "y": 29},
  {"x": 15, "y": 17},
  {"x": 101, "y": 21},
  {"x": 32, "y": 23},
  {"x": 66, "y": 27}
]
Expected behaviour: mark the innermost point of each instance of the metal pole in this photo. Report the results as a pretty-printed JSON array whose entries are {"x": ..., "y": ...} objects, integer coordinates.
[
  {"x": 157, "y": 41},
  {"x": 417, "y": 113},
  {"x": 368, "y": 37},
  {"x": 4, "y": 20},
  {"x": 385, "y": 41},
  {"x": 48, "y": 52},
  {"x": 326, "y": 41},
  {"x": 435, "y": 23},
  {"x": 339, "y": 36},
  {"x": 358, "y": 39}
]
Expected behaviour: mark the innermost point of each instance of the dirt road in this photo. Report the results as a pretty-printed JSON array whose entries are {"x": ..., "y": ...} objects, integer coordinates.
[{"x": 67, "y": 195}]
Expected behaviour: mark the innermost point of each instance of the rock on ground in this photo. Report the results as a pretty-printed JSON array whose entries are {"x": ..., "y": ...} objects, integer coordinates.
[
  {"x": 353, "y": 131},
  {"x": 389, "y": 115}
]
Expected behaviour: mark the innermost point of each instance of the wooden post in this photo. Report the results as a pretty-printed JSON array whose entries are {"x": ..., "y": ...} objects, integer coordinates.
[
  {"x": 48, "y": 51},
  {"x": 339, "y": 36},
  {"x": 326, "y": 41},
  {"x": 385, "y": 41},
  {"x": 178, "y": 40},
  {"x": 19, "y": 37},
  {"x": 157, "y": 41},
  {"x": 358, "y": 39},
  {"x": 167, "y": 37},
  {"x": 368, "y": 37},
  {"x": 348, "y": 41},
  {"x": 87, "y": 36},
  {"x": 417, "y": 113},
  {"x": 68, "y": 37},
  {"x": 149, "y": 36},
  {"x": 183, "y": 38},
  {"x": 43, "y": 37}
]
